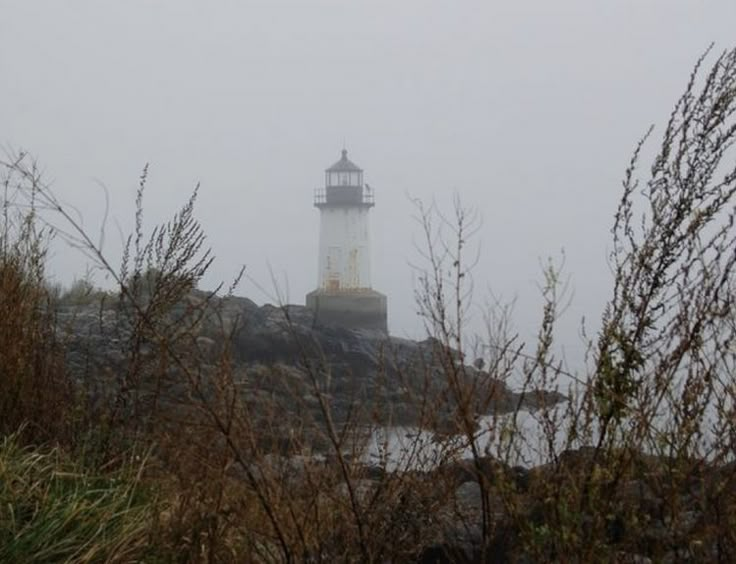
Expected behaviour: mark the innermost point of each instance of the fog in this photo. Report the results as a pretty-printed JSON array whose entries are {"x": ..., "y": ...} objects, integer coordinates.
[{"x": 527, "y": 110}]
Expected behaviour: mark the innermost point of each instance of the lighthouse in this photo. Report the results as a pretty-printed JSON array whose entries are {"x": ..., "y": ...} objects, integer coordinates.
[{"x": 344, "y": 296}]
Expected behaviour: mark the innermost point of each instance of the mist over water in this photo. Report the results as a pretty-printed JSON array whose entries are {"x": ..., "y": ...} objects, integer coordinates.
[{"x": 534, "y": 443}]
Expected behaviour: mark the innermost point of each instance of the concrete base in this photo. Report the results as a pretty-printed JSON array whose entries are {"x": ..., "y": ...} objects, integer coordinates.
[{"x": 364, "y": 309}]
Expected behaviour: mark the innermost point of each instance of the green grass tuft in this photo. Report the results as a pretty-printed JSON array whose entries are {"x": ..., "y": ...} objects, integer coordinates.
[{"x": 52, "y": 510}]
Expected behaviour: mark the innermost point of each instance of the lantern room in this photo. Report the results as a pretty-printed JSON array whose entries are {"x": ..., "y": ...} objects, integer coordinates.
[{"x": 344, "y": 173}]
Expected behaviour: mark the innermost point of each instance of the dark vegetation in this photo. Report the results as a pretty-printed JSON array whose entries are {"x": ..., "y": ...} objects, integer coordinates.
[{"x": 163, "y": 423}]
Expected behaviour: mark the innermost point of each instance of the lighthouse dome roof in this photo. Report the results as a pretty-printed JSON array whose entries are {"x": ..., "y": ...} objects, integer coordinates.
[{"x": 344, "y": 164}]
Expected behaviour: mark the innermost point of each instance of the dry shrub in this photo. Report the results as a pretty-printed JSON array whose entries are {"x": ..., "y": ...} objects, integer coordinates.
[{"x": 35, "y": 392}]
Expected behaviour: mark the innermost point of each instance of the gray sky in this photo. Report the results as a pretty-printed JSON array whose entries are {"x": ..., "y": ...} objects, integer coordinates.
[{"x": 527, "y": 109}]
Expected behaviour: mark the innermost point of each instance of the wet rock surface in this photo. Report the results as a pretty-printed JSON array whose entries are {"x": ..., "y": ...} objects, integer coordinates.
[{"x": 654, "y": 515}]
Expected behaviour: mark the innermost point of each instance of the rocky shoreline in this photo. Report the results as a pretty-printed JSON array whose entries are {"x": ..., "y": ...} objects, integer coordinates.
[{"x": 268, "y": 344}]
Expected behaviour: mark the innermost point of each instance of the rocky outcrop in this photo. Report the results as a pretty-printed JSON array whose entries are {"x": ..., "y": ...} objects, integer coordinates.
[{"x": 268, "y": 347}]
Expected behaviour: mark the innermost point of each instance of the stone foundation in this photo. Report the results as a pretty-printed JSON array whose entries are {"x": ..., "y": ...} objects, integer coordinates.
[{"x": 364, "y": 309}]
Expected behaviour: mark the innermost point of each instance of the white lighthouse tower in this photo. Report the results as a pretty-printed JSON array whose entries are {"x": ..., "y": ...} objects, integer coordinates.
[{"x": 344, "y": 296}]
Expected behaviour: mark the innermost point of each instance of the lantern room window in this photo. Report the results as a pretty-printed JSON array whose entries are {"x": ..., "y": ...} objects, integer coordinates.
[{"x": 344, "y": 179}]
